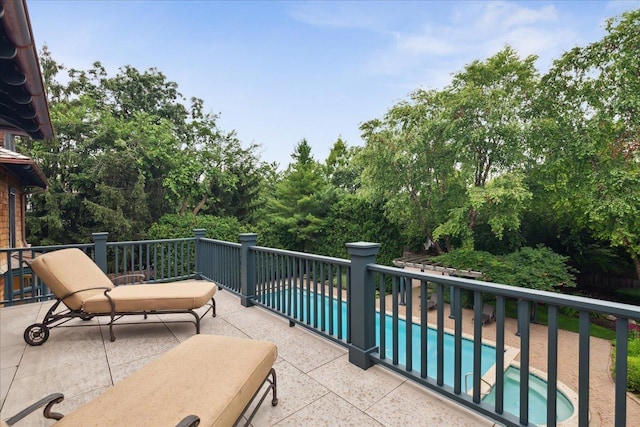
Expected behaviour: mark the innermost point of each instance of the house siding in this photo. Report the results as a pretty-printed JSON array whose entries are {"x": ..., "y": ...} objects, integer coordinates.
[{"x": 8, "y": 181}]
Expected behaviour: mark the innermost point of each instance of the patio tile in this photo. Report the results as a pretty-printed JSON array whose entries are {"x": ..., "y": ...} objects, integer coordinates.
[
  {"x": 6, "y": 377},
  {"x": 218, "y": 326},
  {"x": 137, "y": 341},
  {"x": 306, "y": 351},
  {"x": 412, "y": 405},
  {"x": 296, "y": 345},
  {"x": 71, "y": 379},
  {"x": 227, "y": 302},
  {"x": 14, "y": 320},
  {"x": 359, "y": 387},
  {"x": 329, "y": 410},
  {"x": 65, "y": 407},
  {"x": 254, "y": 322},
  {"x": 10, "y": 355},
  {"x": 67, "y": 349},
  {"x": 122, "y": 371},
  {"x": 295, "y": 391}
]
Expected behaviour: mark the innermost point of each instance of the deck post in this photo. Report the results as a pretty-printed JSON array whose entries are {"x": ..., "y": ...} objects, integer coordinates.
[
  {"x": 100, "y": 250},
  {"x": 361, "y": 303},
  {"x": 247, "y": 269},
  {"x": 199, "y": 233}
]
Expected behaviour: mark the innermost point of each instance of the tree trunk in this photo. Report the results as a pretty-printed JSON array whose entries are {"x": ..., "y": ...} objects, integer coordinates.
[
  {"x": 200, "y": 205},
  {"x": 634, "y": 256},
  {"x": 473, "y": 215},
  {"x": 636, "y": 264}
]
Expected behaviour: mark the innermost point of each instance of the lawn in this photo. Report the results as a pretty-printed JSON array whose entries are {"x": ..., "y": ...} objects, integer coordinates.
[{"x": 566, "y": 322}]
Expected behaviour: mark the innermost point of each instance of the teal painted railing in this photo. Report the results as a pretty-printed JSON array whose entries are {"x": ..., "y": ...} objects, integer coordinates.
[{"x": 311, "y": 290}]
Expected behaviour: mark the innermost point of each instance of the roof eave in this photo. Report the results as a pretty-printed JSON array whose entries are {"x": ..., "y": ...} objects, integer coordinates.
[{"x": 17, "y": 24}]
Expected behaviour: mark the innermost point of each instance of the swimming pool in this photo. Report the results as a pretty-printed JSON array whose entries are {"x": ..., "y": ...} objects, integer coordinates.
[
  {"x": 537, "y": 398},
  {"x": 299, "y": 311},
  {"x": 297, "y": 305}
]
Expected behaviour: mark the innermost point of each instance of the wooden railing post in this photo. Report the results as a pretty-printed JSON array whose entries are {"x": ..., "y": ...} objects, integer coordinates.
[
  {"x": 247, "y": 269},
  {"x": 100, "y": 250},
  {"x": 362, "y": 303}
]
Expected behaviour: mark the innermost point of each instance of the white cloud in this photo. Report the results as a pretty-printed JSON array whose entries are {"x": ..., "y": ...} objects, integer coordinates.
[
  {"x": 338, "y": 15},
  {"x": 466, "y": 32},
  {"x": 421, "y": 44},
  {"x": 503, "y": 15}
]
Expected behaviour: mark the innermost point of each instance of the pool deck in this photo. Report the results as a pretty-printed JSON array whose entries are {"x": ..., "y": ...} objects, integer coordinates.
[{"x": 316, "y": 383}]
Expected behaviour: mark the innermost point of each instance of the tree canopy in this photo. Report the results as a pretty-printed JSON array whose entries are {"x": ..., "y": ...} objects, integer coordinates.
[
  {"x": 129, "y": 150},
  {"x": 503, "y": 162}
]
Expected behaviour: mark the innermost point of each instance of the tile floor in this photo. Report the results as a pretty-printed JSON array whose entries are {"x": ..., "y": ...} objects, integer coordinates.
[{"x": 317, "y": 386}]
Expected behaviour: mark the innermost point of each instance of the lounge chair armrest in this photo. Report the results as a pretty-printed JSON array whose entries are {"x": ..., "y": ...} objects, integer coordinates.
[
  {"x": 189, "y": 421},
  {"x": 129, "y": 279},
  {"x": 82, "y": 290},
  {"x": 47, "y": 402}
]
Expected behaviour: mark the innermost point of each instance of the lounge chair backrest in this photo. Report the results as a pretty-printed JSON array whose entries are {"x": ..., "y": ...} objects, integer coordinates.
[
  {"x": 488, "y": 309},
  {"x": 70, "y": 270}
]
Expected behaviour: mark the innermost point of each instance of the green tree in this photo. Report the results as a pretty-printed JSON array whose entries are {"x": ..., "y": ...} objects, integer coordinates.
[
  {"x": 488, "y": 117},
  {"x": 409, "y": 167},
  {"x": 128, "y": 151},
  {"x": 353, "y": 219},
  {"x": 590, "y": 121},
  {"x": 342, "y": 168},
  {"x": 298, "y": 209}
]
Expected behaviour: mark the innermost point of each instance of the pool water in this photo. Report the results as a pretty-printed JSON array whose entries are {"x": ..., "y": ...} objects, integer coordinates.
[
  {"x": 537, "y": 398},
  {"x": 488, "y": 356},
  {"x": 297, "y": 302}
]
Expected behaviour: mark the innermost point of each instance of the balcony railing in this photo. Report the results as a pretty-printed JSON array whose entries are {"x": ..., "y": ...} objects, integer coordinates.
[{"x": 369, "y": 309}]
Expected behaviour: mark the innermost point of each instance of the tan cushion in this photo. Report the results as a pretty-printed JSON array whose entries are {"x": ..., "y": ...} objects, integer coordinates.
[
  {"x": 213, "y": 377},
  {"x": 186, "y": 294},
  {"x": 70, "y": 270}
]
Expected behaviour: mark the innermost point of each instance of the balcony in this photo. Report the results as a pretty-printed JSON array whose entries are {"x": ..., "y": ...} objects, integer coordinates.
[{"x": 348, "y": 353}]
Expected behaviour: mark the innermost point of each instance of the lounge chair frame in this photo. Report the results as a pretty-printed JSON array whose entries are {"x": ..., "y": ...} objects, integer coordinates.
[
  {"x": 38, "y": 333},
  {"x": 271, "y": 379}
]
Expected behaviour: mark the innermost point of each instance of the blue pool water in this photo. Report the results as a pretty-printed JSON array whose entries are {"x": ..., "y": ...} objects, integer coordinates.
[
  {"x": 537, "y": 398},
  {"x": 488, "y": 357},
  {"x": 537, "y": 386}
]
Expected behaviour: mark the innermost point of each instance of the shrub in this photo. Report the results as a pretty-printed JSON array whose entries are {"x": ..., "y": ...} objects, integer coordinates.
[
  {"x": 633, "y": 348},
  {"x": 174, "y": 226},
  {"x": 628, "y": 295},
  {"x": 633, "y": 374},
  {"x": 633, "y": 363},
  {"x": 535, "y": 268}
]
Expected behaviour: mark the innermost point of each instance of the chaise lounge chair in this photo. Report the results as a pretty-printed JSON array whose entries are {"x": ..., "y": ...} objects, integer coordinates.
[
  {"x": 86, "y": 291},
  {"x": 488, "y": 313},
  {"x": 208, "y": 380},
  {"x": 432, "y": 302}
]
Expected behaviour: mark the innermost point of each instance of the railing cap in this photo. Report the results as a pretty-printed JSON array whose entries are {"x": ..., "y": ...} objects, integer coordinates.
[
  {"x": 363, "y": 248},
  {"x": 248, "y": 237}
]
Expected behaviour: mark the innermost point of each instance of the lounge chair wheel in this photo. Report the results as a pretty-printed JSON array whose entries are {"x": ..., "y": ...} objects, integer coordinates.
[
  {"x": 274, "y": 402},
  {"x": 36, "y": 334},
  {"x": 87, "y": 317}
]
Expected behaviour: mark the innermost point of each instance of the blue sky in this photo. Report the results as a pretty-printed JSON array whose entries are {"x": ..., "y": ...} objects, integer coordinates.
[{"x": 277, "y": 72}]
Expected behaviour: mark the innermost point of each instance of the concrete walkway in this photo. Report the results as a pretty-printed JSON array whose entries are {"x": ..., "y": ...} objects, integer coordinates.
[{"x": 317, "y": 386}]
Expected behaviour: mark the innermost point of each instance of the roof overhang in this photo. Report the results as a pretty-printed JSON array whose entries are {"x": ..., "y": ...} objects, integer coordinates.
[
  {"x": 24, "y": 168},
  {"x": 23, "y": 101}
]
